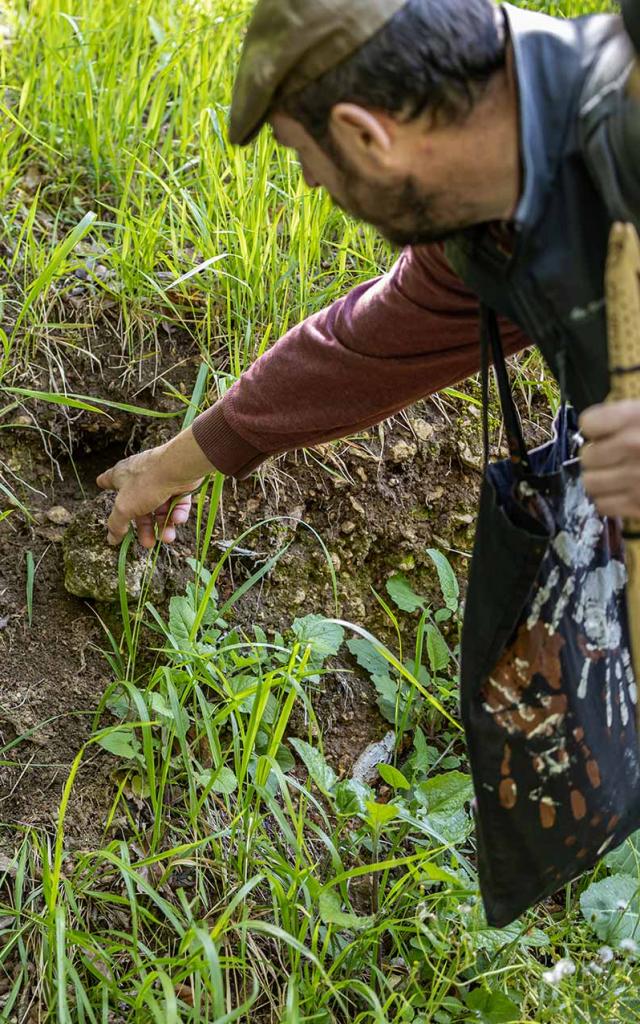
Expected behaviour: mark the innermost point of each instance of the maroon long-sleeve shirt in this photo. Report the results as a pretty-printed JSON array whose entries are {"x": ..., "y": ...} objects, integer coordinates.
[{"x": 371, "y": 353}]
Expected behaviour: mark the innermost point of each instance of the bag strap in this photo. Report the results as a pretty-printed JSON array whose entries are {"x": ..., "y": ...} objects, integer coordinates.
[{"x": 491, "y": 348}]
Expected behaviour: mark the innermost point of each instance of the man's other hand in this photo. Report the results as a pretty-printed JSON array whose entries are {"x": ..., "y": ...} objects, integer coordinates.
[
  {"x": 611, "y": 457},
  {"x": 154, "y": 490}
]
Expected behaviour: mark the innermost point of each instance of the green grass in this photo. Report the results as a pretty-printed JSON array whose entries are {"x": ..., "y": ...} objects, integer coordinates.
[{"x": 238, "y": 879}]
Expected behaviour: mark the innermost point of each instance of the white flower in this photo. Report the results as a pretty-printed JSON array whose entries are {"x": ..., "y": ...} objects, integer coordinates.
[
  {"x": 595, "y": 968},
  {"x": 629, "y": 946},
  {"x": 606, "y": 954},
  {"x": 563, "y": 969}
]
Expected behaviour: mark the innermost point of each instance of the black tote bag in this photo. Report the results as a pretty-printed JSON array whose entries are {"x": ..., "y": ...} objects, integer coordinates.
[{"x": 548, "y": 696}]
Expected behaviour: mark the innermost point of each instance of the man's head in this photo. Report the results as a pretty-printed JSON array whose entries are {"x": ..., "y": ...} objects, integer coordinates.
[{"x": 392, "y": 129}]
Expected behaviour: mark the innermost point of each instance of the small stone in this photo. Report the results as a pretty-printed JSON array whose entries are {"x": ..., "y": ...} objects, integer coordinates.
[
  {"x": 435, "y": 494},
  {"x": 403, "y": 451},
  {"x": 336, "y": 561},
  {"x": 464, "y": 519},
  {"x": 55, "y": 536},
  {"x": 299, "y": 597},
  {"x": 347, "y": 527},
  {"x": 23, "y": 421},
  {"x": 424, "y": 431},
  {"x": 59, "y": 515},
  {"x": 356, "y": 505}
]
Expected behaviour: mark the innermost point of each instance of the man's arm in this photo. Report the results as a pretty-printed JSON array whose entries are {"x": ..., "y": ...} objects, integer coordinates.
[
  {"x": 388, "y": 343},
  {"x": 373, "y": 352}
]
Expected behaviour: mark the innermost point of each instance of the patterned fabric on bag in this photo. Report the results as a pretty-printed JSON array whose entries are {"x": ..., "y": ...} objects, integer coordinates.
[{"x": 552, "y": 720}]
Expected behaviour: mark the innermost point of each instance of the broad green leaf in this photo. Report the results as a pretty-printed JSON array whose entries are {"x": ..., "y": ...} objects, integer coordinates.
[
  {"x": 381, "y": 814},
  {"x": 447, "y": 792},
  {"x": 285, "y": 758},
  {"x": 439, "y": 653},
  {"x": 626, "y": 859},
  {"x": 393, "y": 777},
  {"x": 331, "y": 912},
  {"x": 492, "y": 1007},
  {"x": 393, "y": 698},
  {"x": 367, "y": 657},
  {"x": 320, "y": 772},
  {"x": 612, "y": 908},
  {"x": 122, "y": 743},
  {"x": 351, "y": 797},
  {"x": 324, "y": 637},
  {"x": 494, "y": 939},
  {"x": 400, "y": 591},
  {"x": 444, "y": 798},
  {"x": 424, "y": 755},
  {"x": 225, "y": 781},
  {"x": 181, "y": 620},
  {"x": 388, "y": 702},
  {"x": 448, "y": 582}
]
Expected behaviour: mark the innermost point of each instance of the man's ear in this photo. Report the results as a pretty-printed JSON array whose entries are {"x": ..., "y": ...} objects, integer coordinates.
[{"x": 363, "y": 135}]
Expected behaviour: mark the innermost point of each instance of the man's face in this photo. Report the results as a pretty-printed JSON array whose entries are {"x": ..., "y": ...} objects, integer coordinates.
[{"x": 400, "y": 207}]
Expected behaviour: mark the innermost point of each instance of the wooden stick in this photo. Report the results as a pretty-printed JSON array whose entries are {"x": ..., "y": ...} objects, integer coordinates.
[{"x": 623, "y": 312}]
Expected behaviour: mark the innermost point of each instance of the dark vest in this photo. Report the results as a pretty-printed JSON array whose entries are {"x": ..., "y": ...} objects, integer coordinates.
[{"x": 580, "y": 149}]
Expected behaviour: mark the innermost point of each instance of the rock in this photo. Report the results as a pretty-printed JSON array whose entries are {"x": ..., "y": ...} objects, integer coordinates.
[
  {"x": 403, "y": 451},
  {"x": 435, "y": 494},
  {"x": 424, "y": 430},
  {"x": 91, "y": 566},
  {"x": 347, "y": 527},
  {"x": 366, "y": 767},
  {"x": 59, "y": 515}
]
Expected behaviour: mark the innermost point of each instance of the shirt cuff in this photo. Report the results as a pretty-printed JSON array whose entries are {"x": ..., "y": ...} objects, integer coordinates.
[{"x": 223, "y": 446}]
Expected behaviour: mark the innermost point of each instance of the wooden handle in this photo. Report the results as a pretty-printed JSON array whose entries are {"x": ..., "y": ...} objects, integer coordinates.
[{"x": 622, "y": 287}]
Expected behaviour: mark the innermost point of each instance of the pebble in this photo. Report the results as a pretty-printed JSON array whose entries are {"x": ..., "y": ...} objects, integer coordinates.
[
  {"x": 403, "y": 451},
  {"x": 299, "y": 597},
  {"x": 347, "y": 527},
  {"x": 59, "y": 515},
  {"x": 424, "y": 431}
]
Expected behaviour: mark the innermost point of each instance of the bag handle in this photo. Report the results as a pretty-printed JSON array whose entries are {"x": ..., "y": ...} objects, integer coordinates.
[{"x": 491, "y": 347}]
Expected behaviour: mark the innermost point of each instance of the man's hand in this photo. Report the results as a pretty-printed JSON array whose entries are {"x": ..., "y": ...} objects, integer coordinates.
[
  {"x": 611, "y": 458},
  {"x": 154, "y": 490}
]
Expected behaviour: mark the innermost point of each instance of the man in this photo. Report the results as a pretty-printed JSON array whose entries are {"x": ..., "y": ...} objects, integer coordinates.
[{"x": 498, "y": 145}]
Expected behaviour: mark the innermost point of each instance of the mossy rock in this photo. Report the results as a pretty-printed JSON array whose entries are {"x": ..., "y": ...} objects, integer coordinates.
[{"x": 91, "y": 565}]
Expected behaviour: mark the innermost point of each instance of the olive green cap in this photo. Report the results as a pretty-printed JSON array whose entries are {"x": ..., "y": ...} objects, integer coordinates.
[{"x": 290, "y": 43}]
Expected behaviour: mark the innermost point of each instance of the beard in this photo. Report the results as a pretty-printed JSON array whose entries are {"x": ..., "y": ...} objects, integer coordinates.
[{"x": 403, "y": 211}]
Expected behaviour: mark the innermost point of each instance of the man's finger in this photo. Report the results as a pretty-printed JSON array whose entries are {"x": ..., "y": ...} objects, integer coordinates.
[
  {"x": 181, "y": 511},
  {"x": 105, "y": 480},
  {"x": 118, "y": 524},
  {"x": 618, "y": 506},
  {"x": 617, "y": 480},
  {"x": 605, "y": 420},
  {"x": 145, "y": 531},
  {"x": 604, "y": 454}
]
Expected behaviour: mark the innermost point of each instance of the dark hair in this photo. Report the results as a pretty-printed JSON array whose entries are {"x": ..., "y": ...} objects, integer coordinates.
[{"x": 434, "y": 55}]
